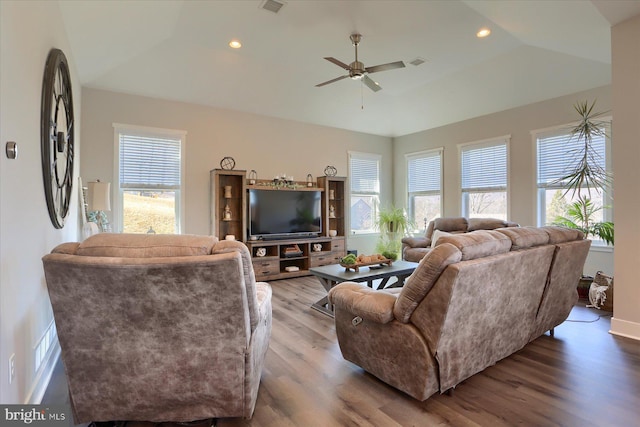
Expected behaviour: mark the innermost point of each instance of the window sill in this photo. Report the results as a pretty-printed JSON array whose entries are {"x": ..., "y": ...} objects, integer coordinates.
[
  {"x": 600, "y": 247},
  {"x": 364, "y": 233}
]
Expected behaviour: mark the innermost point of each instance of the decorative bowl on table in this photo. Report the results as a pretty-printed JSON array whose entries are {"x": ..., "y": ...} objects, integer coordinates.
[{"x": 370, "y": 261}]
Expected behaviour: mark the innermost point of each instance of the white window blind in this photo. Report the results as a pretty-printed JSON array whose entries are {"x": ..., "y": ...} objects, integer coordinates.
[
  {"x": 424, "y": 172},
  {"x": 484, "y": 166},
  {"x": 558, "y": 153},
  {"x": 365, "y": 174},
  {"x": 149, "y": 163}
]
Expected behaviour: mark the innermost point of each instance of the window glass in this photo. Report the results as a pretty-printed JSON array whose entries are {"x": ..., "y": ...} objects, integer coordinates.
[
  {"x": 424, "y": 187},
  {"x": 150, "y": 181},
  {"x": 364, "y": 178},
  {"x": 484, "y": 179},
  {"x": 557, "y": 153}
]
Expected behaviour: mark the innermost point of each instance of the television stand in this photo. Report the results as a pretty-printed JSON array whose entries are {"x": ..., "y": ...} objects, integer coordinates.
[{"x": 274, "y": 259}]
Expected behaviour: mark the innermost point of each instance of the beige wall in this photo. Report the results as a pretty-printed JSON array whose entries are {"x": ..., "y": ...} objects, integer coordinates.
[
  {"x": 270, "y": 146},
  {"x": 28, "y": 30},
  {"x": 517, "y": 122},
  {"x": 626, "y": 160}
]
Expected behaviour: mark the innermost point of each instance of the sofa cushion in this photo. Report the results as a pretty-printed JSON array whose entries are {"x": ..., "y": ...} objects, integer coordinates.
[
  {"x": 423, "y": 278},
  {"x": 437, "y": 234},
  {"x": 485, "y": 224},
  {"x": 145, "y": 245},
  {"x": 562, "y": 234},
  {"x": 478, "y": 244},
  {"x": 525, "y": 237},
  {"x": 451, "y": 224}
]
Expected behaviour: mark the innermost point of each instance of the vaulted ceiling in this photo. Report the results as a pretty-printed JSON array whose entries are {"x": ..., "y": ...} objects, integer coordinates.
[{"x": 178, "y": 50}]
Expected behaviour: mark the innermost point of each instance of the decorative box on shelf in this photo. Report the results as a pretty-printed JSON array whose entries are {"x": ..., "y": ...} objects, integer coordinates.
[{"x": 291, "y": 251}]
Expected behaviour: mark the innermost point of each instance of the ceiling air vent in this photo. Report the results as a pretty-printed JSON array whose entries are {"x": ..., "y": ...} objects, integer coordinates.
[
  {"x": 417, "y": 61},
  {"x": 272, "y": 5}
]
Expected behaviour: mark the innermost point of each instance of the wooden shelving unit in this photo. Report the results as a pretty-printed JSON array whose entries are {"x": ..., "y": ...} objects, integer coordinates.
[
  {"x": 334, "y": 204},
  {"x": 232, "y": 220},
  {"x": 272, "y": 265},
  {"x": 316, "y": 251}
]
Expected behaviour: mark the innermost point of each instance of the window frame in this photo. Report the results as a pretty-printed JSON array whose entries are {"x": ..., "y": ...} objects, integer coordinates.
[
  {"x": 375, "y": 194},
  {"x": 435, "y": 152},
  {"x": 148, "y": 132},
  {"x": 540, "y": 191},
  {"x": 464, "y": 195}
]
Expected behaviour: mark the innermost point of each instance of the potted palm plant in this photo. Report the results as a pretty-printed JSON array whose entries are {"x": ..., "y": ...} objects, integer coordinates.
[
  {"x": 393, "y": 224},
  {"x": 586, "y": 176}
]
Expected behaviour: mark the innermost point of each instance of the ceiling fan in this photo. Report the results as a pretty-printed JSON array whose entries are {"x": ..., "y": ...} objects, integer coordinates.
[{"x": 357, "y": 70}]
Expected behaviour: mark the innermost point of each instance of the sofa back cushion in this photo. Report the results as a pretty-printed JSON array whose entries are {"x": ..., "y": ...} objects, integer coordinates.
[
  {"x": 418, "y": 285},
  {"x": 525, "y": 237},
  {"x": 145, "y": 245},
  {"x": 485, "y": 224},
  {"x": 478, "y": 244},
  {"x": 451, "y": 224},
  {"x": 562, "y": 234}
]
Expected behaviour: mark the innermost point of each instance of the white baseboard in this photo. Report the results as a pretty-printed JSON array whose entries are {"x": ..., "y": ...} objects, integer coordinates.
[
  {"x": 624, "y": 328},
  {"x": 41, "y": 382}
]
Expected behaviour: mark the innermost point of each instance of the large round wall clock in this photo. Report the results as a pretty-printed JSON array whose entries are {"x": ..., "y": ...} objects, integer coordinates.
[{"x": 56, "y": 136}]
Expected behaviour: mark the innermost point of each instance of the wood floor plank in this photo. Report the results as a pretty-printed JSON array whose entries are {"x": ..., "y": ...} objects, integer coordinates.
[{"x": 583, "y": 376}]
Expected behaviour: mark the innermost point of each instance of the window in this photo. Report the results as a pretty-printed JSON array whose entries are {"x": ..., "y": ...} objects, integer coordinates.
[
  {"x": 556, "y": 153},
  {"x": 149, "y": 180},
  {"x": 364, "y": 178},
  {"x": 484, "y": 178},
  {"x": 424, "y": 186}
]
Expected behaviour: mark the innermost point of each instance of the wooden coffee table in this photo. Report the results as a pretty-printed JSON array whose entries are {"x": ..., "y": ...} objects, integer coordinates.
[{"x": 331, "y": 275}]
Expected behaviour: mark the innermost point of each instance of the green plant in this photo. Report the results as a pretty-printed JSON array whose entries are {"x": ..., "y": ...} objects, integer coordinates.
[
  {"x": 393, "y": 223},
  {"x": 580, "y": 217},
  {"x": 587, "y": 172},
  {"x": 587, "y": 175}
]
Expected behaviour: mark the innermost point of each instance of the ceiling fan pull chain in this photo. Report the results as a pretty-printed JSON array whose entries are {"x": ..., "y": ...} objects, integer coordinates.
[{"x": 361, "y": 96}]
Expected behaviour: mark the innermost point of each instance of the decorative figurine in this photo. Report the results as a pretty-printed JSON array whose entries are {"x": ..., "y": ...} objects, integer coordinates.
[{"x": 227, "y": 213}]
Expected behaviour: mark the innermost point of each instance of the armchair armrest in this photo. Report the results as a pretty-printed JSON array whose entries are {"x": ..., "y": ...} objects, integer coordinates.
[
  {"x": 417, "y": 242},
  {"x": 362, "y": 301}
]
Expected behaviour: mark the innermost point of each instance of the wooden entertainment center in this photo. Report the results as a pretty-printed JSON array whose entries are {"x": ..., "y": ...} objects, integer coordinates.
[{"x": 286, "y": 258}]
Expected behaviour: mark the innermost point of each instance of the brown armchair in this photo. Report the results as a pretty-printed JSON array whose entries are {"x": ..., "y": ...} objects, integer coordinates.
[{"x": 159, "y": 327}]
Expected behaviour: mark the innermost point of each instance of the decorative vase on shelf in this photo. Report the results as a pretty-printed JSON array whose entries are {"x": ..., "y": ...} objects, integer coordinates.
[
  {"x": 332, "y": 211},
  {"x": 332, "y": 194},
  {"x": 227, "y": 213},
  {"x": 227, "y": 191}
]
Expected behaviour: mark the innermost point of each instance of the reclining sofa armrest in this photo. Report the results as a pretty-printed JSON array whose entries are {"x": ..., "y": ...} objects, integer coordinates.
[
  {"x": 376, "y": 306},
  {"x": 417, "y": 242}
]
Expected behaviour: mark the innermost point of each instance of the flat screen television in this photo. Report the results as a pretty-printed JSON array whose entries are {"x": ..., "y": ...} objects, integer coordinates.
[{"x": 278, "y": 214}]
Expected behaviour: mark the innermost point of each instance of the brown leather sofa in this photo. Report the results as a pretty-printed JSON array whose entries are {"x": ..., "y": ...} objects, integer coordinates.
[
  {"x": 160, "y": 328},
  {"x": 474, "y": 299},
  {"x": 415, "y": 248}
]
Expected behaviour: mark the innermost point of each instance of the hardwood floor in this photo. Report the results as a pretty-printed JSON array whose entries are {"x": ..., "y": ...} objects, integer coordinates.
[{"x": 583, "y": 376}]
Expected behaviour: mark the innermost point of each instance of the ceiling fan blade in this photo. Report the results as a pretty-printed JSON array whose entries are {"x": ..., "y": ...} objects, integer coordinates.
[
  {"x": 371, "y": 84},
  {"x": 338, "y": 63},
  {"x": 333, "y": 80},
  {"x": 385, "y": 67}
]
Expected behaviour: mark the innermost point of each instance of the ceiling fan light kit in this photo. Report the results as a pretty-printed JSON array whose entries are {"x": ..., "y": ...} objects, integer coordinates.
[{"x": 357, "y": 70}]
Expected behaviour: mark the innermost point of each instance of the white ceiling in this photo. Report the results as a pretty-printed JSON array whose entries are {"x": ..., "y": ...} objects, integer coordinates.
[{"x": 178, "y": 50}]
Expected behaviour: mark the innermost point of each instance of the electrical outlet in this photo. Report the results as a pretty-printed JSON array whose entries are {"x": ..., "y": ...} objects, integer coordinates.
[{"x": 12, "y": 367}]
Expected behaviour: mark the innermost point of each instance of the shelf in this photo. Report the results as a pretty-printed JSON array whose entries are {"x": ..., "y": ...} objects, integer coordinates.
[
  {"x": 272, "y": 265},
  {"x": 221, "y": 227}
]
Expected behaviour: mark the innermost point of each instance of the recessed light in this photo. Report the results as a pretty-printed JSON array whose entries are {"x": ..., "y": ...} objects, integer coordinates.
[
  {"x": 235, "y": 44},
  {"x": 483, "y": 32}
]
